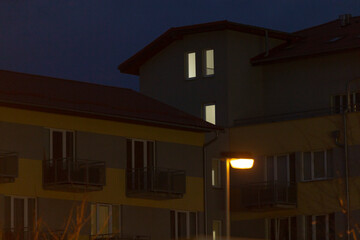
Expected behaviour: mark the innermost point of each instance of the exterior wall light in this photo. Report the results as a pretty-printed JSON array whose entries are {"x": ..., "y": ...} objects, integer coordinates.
[{"x": 241, "y": 163}]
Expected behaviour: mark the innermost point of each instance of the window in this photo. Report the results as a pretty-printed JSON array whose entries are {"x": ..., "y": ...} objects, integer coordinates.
[
  {"x": 62, "y": 145},
  {"x": 209, "y": 68},
  {"x": 282, "y": 229},
  {"x": 216, "y": 173},
  {"x": 339, "y": 102},
  {"x": 105, "y": 218},
  {"x": 317, "y": 165},
  {"x": 216, "y": 229},
  {"x": 191, "y": 65},
  {"x": 183, "y": 224},
  {"x": 319, "y": 227},
  {"x": 280, "y": 168},
  {"x": 210, "y": 113},
  {"x": 20, "y": 215}
]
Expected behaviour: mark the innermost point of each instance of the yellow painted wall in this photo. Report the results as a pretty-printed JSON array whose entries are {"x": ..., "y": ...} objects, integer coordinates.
[
  {"x": 29, "y": 183},
  {"x": 292, "y": 136},
  {"x": 100, "y": 126}
]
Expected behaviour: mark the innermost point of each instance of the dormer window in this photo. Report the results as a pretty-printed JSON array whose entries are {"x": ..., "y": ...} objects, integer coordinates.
[
  {"x": 191, "y": 65},
  {"x": 209, "y": 66}
]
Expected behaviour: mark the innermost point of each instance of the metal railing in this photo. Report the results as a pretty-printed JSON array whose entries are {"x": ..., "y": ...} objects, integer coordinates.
[
  {"x": 117, "y": 236},
  {"x": 267, "y": 194},
  {"x": 73, "y": 171},
  {"x": 157, "y": 180},
  {"x": 9, "y": 165},
  {"x": 30, "y": 234}
]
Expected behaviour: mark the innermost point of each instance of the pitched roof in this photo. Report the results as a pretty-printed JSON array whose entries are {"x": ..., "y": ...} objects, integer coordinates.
[
  {"x": 326, "y": 38},
  {"x": 92, "y": 100},
  {"x": 133, "y": 64}
]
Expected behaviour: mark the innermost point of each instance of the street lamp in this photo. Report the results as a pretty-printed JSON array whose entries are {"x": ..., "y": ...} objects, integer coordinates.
[{"x": 236, "y": 161}]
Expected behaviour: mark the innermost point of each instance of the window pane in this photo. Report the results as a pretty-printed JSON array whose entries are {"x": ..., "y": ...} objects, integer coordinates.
[
  {"x": 191, "y": 61},
  {"x": 182, "y": 232},
  {"x": 93, "y": 219},
  {"x": 270, "y": 169},
  {"x": 282, "y": 169},
  {"x": 57, "y": 145},
  {"x": 284, "y": 229},
  {"x": 19, "y": 223},
  {"x": 320, "y": 227},
  {"x": 319, "y": 164},
  {"x": 210, "y": 113},
  {"x": 308, "y": 227},
  {"x": 293, "y": 228},
  {"x": 209, "y": 62},
  {"x": 307, "y": 165},
  {"x": 103, "y": 219},
  {"x": 116, "y": 219},
  {"x": 31, "y": 212},
  {"x": 69, "y": 144},
  {"x": 215, "y": 173},
  {"x": 150, "y": 154},
  {"x": 193, "y": 225},
  {"x": 292, "y": 166},
  {"x": 329, "y": 163}
]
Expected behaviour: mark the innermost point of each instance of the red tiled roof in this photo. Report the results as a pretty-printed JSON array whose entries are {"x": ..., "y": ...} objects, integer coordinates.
[
  {"x": 92, "y": 100},
  {"x": 322, "y": 39},
  {"x": 133, "y": 64}
]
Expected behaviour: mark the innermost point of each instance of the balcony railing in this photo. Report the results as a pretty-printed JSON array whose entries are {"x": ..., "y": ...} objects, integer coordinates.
[
  {"x": 30, "y": 234},
  {"x": 269, "y": 195},
  {"x": 69, "y": 174},
  {"x": 9, "y": 164},
  {"x": 155, "y": 183},
  {"x": 117, "y": 236}
]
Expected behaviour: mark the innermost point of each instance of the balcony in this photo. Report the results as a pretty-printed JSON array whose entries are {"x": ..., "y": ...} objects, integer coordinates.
[
  {"x": 8, "y": 166},
  {"x": 73, "y": 175},
  {"x": 117, "y": 236},
  {"x": 269, "y": 195},
  {"x": 155, "y": 183},
  {"x": 30, "y": 234}
]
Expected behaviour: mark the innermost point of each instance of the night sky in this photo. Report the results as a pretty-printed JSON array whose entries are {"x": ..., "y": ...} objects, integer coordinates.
[{"x": 86, "y": 40}]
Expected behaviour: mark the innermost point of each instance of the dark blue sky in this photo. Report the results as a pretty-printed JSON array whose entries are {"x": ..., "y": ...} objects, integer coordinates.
[{"x": 86, "y": 40}]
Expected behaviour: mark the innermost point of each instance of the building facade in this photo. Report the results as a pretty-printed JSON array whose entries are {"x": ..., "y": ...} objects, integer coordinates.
[
  {"x": 291, "y": 99},
  {"x": 96, "y": 162}
]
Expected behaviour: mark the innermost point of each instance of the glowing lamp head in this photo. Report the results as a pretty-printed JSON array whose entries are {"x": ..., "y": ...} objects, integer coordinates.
[{"x": 241, "y": 163}]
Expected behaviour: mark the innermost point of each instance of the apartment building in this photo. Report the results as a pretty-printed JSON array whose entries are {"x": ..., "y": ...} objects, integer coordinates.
[
  {"x": 110, "y": 162},
  {"x": 290, "y": 99}
]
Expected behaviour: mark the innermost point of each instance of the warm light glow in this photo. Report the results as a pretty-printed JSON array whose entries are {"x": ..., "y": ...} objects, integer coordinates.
[{"x": 241, "y": 163}]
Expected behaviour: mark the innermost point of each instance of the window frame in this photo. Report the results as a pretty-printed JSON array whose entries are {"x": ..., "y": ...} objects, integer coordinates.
[
  {"x": 64, "y": 146},
  {"x": 312, "y": 166},
  {"x": 26, "y": 210},
  {"x": 275, "y": 157},
  {"x": 145, "y": 157},
  {"x": 204, "y": 65},
  {"x": 188, "y": 233},
  {"x": 277, "y": 227},
  {"x": 313, "y": 226},
  {"x": 187, "y": 65},
  {"x": 110, "y": 220},
  {"x": 354, "y": 104}
]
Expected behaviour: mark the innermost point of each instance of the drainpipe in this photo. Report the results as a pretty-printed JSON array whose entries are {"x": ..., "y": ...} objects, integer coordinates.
[{"x": 205, "y": 180}]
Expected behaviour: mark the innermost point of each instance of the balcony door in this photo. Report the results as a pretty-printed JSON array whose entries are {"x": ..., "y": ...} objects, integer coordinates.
[
  {"x": 140, "y": 163},
  {"x": 280, "y": 169},
  {"x": 62, "y": 146}
]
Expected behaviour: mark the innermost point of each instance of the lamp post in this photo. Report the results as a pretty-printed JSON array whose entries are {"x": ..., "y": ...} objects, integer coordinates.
[{"x": 238, "y": 162}]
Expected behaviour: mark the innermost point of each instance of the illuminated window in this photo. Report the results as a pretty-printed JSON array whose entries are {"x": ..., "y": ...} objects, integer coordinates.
[
  {"x": 209, "y": 68},
  {"x": 105, "y": 219},
  {"x": 320, "y": 227},
  {"x": 216, "y": 229},
  {"x": 215, "y": 173},
  {"x": 317, "y": 165},
  {"x": 191, "y": 65},
  {"x": 183, "y": 225},
  {"x": 210, "y": 113},
  {"x": 62, "y": 145},
  {"x": 282, "y": 228}
]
